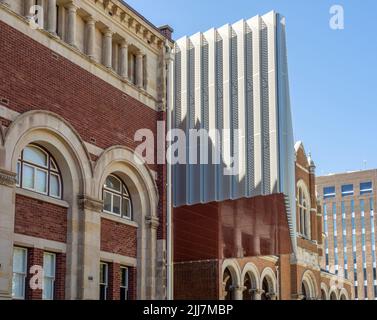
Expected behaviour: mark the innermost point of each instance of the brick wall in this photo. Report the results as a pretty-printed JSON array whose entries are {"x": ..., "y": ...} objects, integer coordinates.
[
  {"x": 40, "y": 219},
  {"x": 197, "y": 280},
  {"x": 114, "y": 281},
  {"x": 31, "y": 77},
  {"x": 59, "y": 285},
  {"x": 118, "y": 238}
]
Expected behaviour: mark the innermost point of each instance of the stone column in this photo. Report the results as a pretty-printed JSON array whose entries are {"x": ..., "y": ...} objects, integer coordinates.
[
  {"x": 150, "y": 281},
  {"x": 238, "y": 292},
  {"x": 107, "y": 48},
  {"x": 7, "y": 211},
  {"x": 123, "y": 60},
  {"x": 89, "y": 247},
  {"x": 71, "y": 24},
  {"x": 51, "y": 16},
  {"x": 90, "y": 33},
  {"x": 139, "y": 69},
  {"x": 257, "y": 294},
  {"x": 27, "y": 6}
]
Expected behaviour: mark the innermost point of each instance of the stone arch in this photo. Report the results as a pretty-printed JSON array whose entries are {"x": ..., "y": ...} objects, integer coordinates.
[
  {"x": 333, "y": 293},
  {"x": 324, "y": 292},
  {"x": 234, "y": 270},
  {"x": 268, "y": 277},
  {"x": 343, "y": 295},
  {"x": 62, "y": 141},
  {"x": 251, "y": 272},
  {"x": 309, "y": 283},
  {"x": 123, "y": 162}
]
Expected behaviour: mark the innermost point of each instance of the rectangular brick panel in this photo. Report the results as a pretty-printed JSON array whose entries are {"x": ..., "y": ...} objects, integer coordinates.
[
  {"x": 40, "y": 219},
  {"x": 118, "y": 238}
]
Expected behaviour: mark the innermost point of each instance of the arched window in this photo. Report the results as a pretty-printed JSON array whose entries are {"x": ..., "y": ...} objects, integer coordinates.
[
  {"x": 116, "y": 198},
  {"x": 37, "y": 171},
  {"x": 323, "y": 294},
  {"x": 303, "y": 210},
  {"x": 333, "y": 296}
]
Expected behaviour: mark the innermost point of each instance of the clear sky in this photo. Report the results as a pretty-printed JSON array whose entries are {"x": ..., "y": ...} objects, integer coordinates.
[{"x": 332, "y": 73}]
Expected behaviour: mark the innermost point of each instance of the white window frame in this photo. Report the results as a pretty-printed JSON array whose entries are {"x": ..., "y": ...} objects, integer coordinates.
[
  {"x": 122, "y": 196},
  {"x": 106, "y": 283},
  {"x": 51, "y": 278},
  {"x": 35, "y": 167},
  {"x": 23, "y": 274},
  {"x": 122, "y": 285}
]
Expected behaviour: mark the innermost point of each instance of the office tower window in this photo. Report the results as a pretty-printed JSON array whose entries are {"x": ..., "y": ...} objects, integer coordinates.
[
  {"x": 103, "y": 281},
  {"x": 366, "y": 188},
  {"x": 19, "y": 273},
  {"x": 373, "y": 246},
  {"x": 329, "y": 192},
  {"x": 49, "y": 263},
  {"x": 347, "y": 190},
  {"x": 354, "y": 256},
  {"x": 336, "y": 260},
  {"x": 362, "y": 209},
  {"x": 344, "y": 235},
  {"x": 124, "y": 283}
]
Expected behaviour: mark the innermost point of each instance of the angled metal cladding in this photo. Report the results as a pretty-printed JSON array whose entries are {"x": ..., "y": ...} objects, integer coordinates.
[{"x": 236, "y": 77}]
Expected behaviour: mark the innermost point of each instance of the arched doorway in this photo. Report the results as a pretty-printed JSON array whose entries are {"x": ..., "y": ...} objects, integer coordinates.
[
  {"x": 323, "y": 295},
  {"x": 250, "y": 284},
  {"x": 267, "y": 289},
  {"x": 228, "y": 284},
  {"x": 333, "y": 296}
]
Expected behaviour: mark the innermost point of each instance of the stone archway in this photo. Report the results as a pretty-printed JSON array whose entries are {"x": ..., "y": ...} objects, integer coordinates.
[
  {"x": 61, "y": 140},
  {"x": 268, "y": 285},
  {"x": 250, "y": 276}
]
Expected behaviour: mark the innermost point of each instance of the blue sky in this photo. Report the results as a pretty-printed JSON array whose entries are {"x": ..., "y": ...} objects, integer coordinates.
[{"x": 332, "y": 73}]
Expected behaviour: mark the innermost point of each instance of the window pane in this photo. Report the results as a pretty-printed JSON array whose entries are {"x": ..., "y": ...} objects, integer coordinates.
[
  {"x": 18, "y": 286},
  {"x": 116, "y": 204},
  {"x": 124, "y": 277},
  {"x": 49, "y": 265},
  {"x": 347, "y": 190},
  {"x": 102, "y": 292},
  {"x": 53, "y": 165},
  {"x": 366, "y": 187},
  {"x": 329, "y": 192},
  {"x": 126, "y": 208},
  {"x": 107, "y": 201},
  {"x": 103, "y": 273},
  {"x": 113, "y": 183},
  {"x": 48, "y": 289},
  {"x": 18, "y": 174},
  {"x": 54, "y": 185},
  {"x": 35, "y": 155},
  {"x": 28, "y": 177},
  {"x": 19, "y": 260},
  {"x": 41, "y": 183},
  {"x": 123, "y": 294}
]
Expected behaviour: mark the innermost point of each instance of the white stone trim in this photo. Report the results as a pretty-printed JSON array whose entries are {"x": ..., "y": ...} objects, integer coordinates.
[
  {"x": 93, "y": 149},
  {"x": 270, "y": 274},
  {"x": 8, "y": 113},
  {"x": 114, "y": 218},
  {"x": 44, "y": 244},
  {"x": 117, "y": 258},
  {"x": 41, "y": 197},
  {"x": 251, "y": 268}
]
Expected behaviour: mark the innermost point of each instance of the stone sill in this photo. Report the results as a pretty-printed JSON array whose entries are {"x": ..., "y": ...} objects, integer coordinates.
[
  {"x": 114, "y": 218},
  {"x": 41, "y": 197}
]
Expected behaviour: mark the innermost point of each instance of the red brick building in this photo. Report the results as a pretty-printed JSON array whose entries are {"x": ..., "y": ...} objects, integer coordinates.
[
  {"x": 296, "y": 275},
  {"x": 75, "y": 202}
]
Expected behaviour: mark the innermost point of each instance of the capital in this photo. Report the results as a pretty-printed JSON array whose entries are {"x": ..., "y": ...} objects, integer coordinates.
[{"x": 7, "y": 178}]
